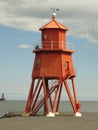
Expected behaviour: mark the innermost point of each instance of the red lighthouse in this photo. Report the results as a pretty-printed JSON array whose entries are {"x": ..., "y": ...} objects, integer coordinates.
[{"x": 53, "y": 67}]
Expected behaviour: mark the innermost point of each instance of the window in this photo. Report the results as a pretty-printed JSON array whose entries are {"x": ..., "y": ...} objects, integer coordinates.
[
  {"x": 45, "y": 36},
  {"x": 65, "y": 64}
]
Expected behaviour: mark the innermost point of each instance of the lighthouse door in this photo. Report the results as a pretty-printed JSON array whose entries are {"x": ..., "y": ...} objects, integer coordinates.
[{"x": 66, "y": 66}]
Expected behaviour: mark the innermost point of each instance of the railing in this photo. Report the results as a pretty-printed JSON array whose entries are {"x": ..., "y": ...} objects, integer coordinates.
[
  {"x": 53, "y": 82},
  {"x": 54, "y": 45}
]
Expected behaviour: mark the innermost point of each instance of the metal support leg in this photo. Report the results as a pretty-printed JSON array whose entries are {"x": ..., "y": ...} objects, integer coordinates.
[
  {"x": 70, "y": 96},
  {"x": 56, "y": 95},
  {"x": 36, "y": 98},
  {"x": 45, "y": 95},
  {"x": 58, "y": 102},
  {"x": 29, "y": 101},
  {"x": 74, "y": 91},
  {"x": 75, "y": 96}
]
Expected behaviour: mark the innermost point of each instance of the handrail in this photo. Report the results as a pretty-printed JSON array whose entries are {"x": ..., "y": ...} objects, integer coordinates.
[{"x": 54, "y": 44}]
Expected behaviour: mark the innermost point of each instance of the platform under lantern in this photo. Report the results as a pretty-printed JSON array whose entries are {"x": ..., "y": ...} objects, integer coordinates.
[{"x": 53, "y": 67}]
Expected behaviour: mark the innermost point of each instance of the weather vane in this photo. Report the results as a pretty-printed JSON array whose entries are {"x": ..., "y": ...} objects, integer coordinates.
[{"x": 54, "y": 9}]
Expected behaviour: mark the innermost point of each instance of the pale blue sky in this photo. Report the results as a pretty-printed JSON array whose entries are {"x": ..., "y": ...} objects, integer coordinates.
[{"x": 19, "y": 24}]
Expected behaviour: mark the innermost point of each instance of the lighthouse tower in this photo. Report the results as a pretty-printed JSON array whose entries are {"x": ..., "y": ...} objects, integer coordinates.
[{"x": 52, "y": 69}]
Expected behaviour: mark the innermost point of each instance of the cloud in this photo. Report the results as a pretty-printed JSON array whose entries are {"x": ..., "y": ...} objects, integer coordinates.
[
  {"x": 24, "y": 46},
  {"x": 80, "y": 16}
]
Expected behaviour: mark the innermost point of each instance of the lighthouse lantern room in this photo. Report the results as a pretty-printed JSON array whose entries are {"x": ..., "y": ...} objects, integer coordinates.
[{"x": 53, "y": 67}]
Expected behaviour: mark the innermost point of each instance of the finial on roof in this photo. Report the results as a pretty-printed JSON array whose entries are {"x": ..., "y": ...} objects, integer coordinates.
[
  {"x": 54, "y": 12},
  {"x": 53, "y": 15}
]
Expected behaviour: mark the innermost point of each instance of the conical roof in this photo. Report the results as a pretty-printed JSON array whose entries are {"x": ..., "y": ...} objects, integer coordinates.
[{"x": 54, "y": 24}]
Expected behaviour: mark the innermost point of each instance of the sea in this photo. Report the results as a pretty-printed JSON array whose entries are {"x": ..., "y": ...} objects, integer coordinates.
[{"x": 19, "y": 106}]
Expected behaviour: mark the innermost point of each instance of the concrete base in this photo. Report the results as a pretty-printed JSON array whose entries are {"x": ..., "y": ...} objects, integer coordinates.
[
  {"x": 56, "y": 113},
  {"x": 77, "y": 114},
  {"x": 26, "y": 114},
  {"x": 50, "y": 114}
]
